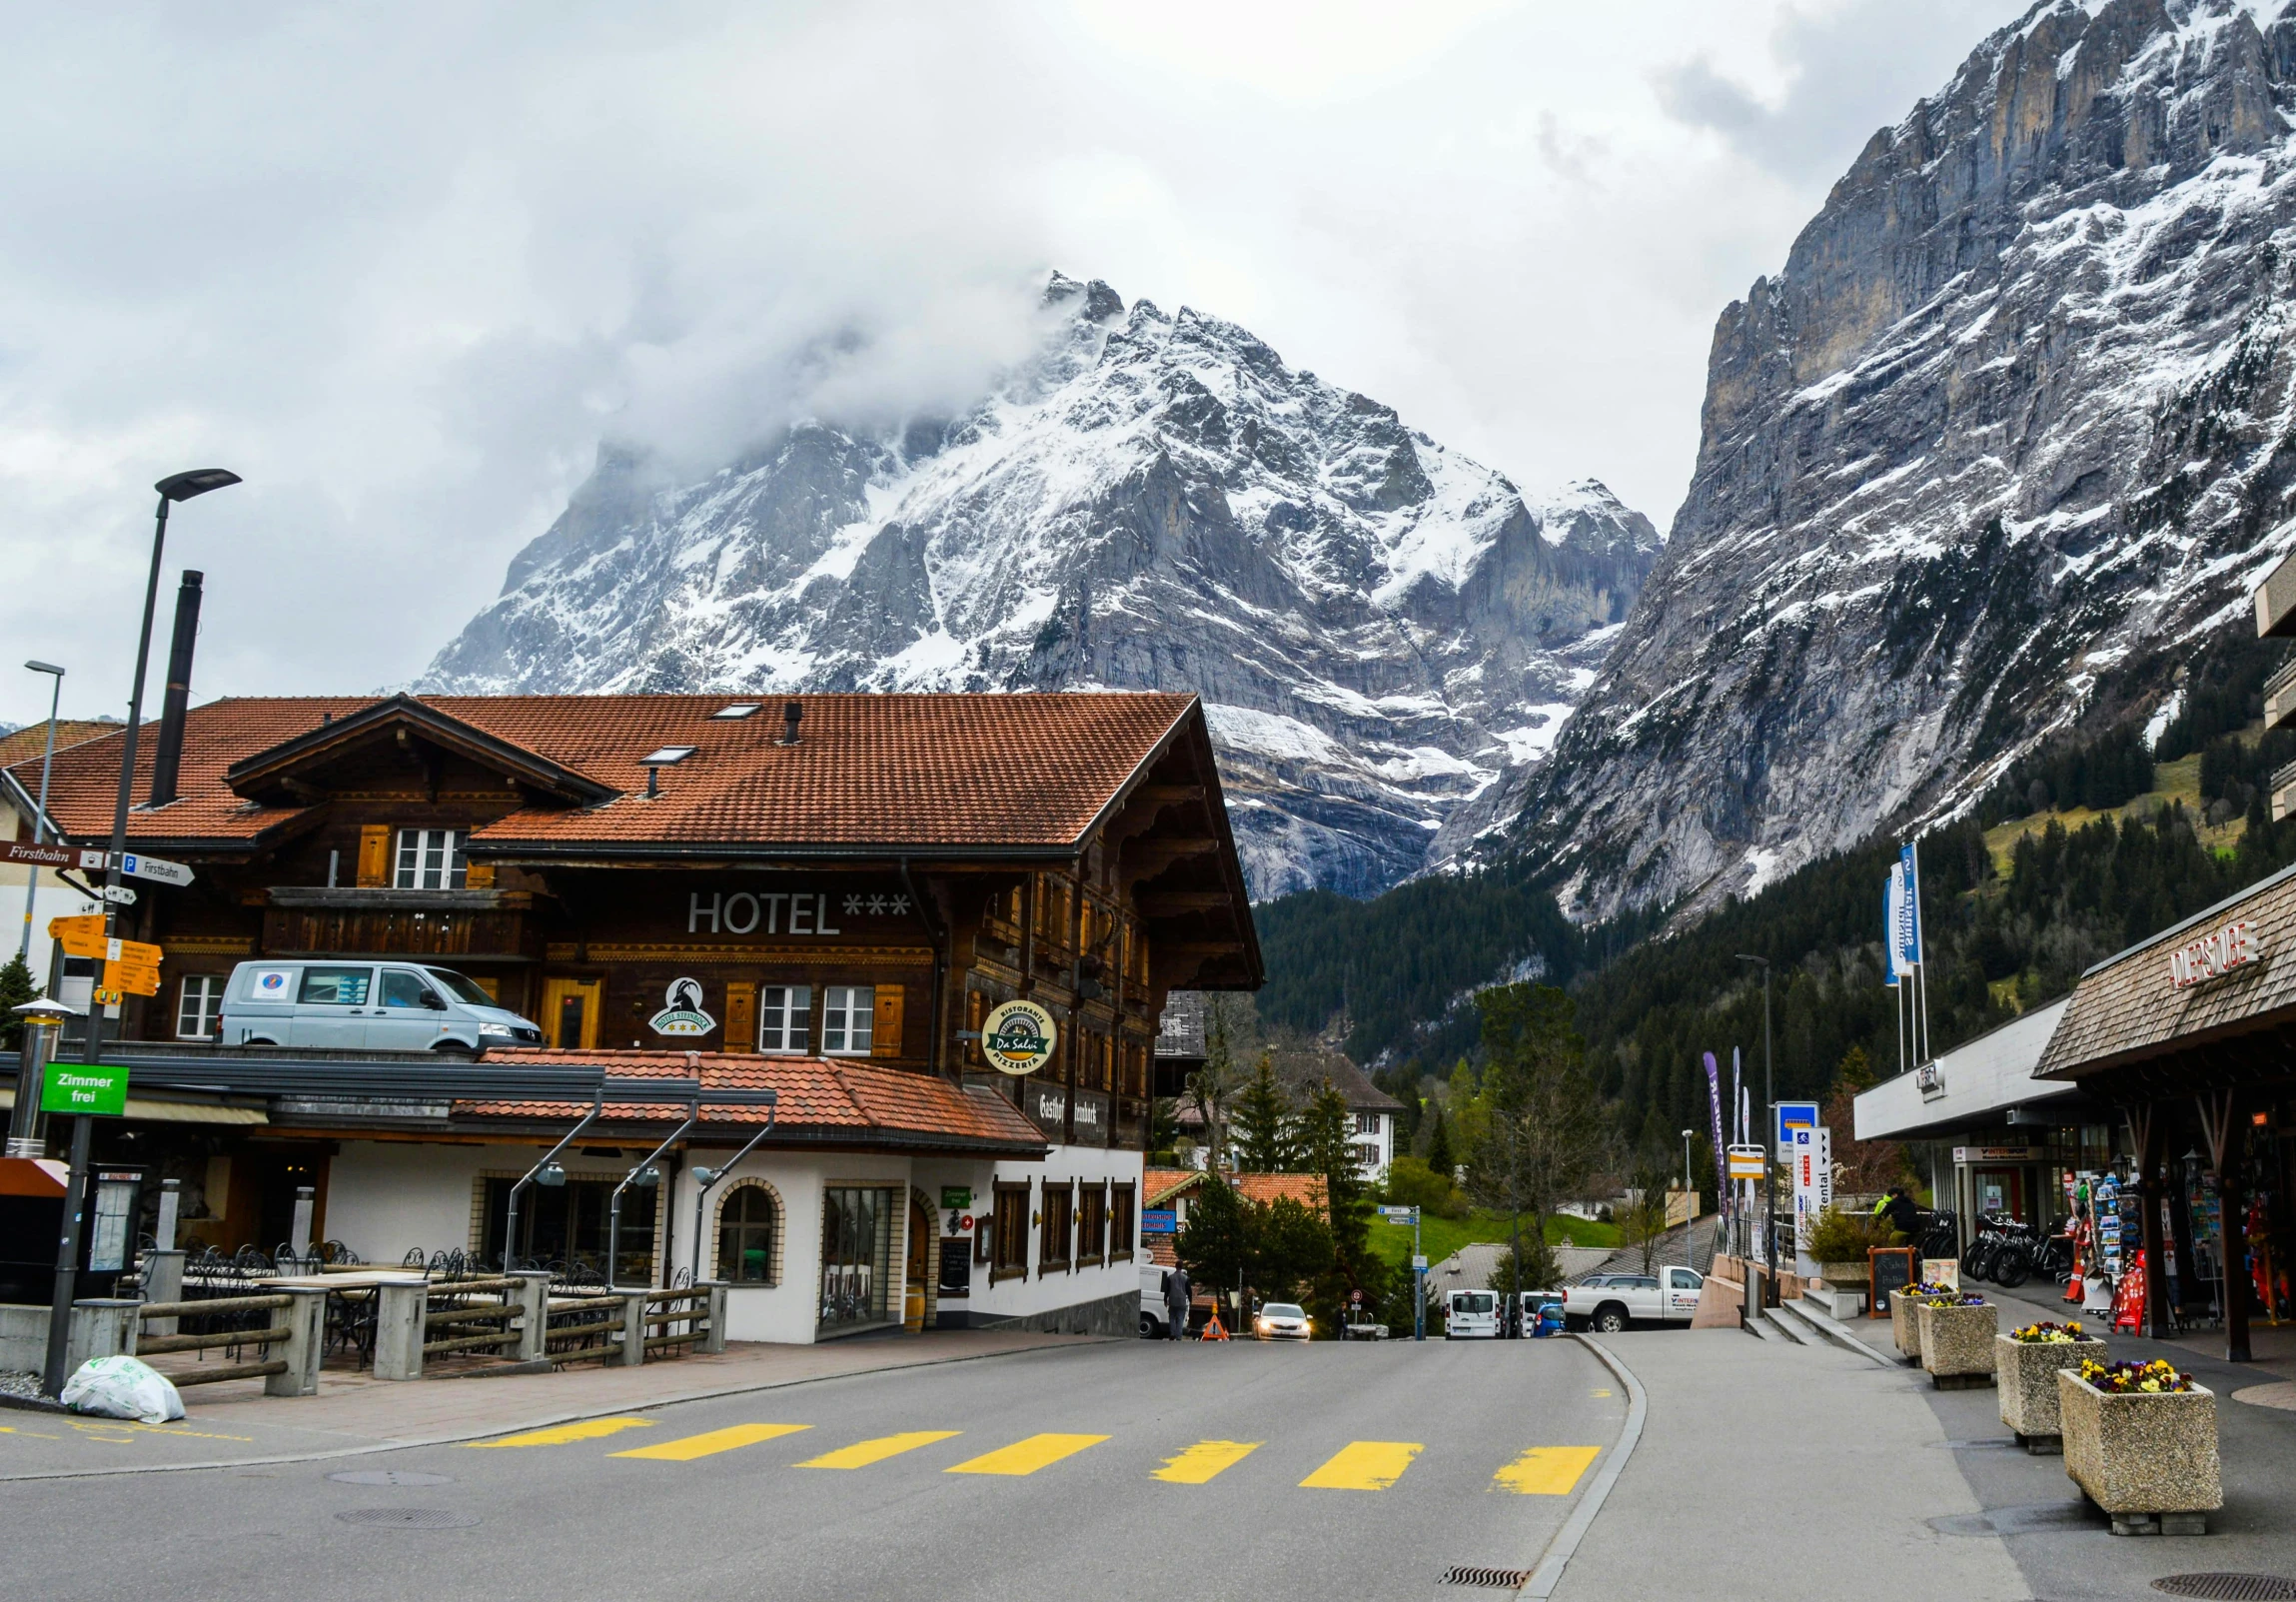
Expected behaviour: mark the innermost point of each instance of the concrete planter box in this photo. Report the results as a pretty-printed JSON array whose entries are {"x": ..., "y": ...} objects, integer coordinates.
[
  {"x": 1957, "y": 1343},
  {"x": 2028, "y": 1374},
  {"x": 2149, "y": 1459},
  {"x": 1846, "y": 1276},
  {"x": 1904, "y": 1327}
]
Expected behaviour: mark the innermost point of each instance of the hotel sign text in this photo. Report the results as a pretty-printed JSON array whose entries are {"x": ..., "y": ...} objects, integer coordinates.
[{"x": 2213, "y": 955}]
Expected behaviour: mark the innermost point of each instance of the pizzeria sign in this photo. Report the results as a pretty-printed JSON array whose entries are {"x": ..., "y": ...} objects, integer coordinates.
[{"x": 2213, "y": 955}]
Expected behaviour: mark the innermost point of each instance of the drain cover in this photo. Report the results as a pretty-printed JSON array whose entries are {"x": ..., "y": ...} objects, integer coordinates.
[
  {"x": 391, "y": 1476},
  {"x": 2229, "y": 1587},
  {"x": 1489, "y": 1579},
  {"x": 410, "y": 1518}
]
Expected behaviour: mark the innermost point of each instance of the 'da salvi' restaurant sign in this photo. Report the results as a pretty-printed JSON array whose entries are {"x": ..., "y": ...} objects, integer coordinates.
[{"x": 2213, "y": 955}]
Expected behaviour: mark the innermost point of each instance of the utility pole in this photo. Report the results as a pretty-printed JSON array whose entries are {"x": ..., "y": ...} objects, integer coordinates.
[{"x": 1690, "y": 1207}]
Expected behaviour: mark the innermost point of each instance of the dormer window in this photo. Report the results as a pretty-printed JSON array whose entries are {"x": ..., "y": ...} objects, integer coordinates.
[
  {"x": 667, "y": 756},
  {"x": 430, "y": 859},
  {"x": 739, "y": 709}
]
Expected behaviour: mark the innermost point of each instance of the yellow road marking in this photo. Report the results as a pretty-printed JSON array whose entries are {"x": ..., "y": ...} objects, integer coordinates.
[
  {"x": 1546, "y": 1471},
  {"x": 1364, "y": 1466},
  {"x": 1599, "y": 1393},
  {"x": 30, "y": 1434},
  {"x": 590, "y": 1429},
  {"x": 862, "y": 1453},
  {"x": 1194, "y": 1465},
  {"x": 710, "y": 1442},
  {"x": 1026, "y": 1458}
]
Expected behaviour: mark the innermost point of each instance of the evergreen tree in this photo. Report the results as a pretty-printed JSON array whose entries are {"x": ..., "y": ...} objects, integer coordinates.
[
  {"x": 1328, "y": 1139},
  {"x": 1216, "y": 1243},
  {"x": 16, "y": 989},
  {"x": 1540, "y": 1134},
  {"x": 1163, "y": 1130},
  {"x": 1439, "y": 1159},
  {"x": 1263, "y": 1122}
]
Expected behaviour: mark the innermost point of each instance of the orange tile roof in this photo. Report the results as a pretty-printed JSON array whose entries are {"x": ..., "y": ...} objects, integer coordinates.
[
  {"x": 1160, "y": 1185},
  {"x": 30, "y": 743},
  {"x": 925, "y": 771},
  {"x": 820, "y": 1099}
]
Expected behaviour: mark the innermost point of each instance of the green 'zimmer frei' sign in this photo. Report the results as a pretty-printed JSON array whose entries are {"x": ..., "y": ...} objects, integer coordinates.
[{"x": 98, "y": 1089}]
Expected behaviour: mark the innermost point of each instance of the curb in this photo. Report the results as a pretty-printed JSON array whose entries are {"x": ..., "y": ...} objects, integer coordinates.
[
  {"x": 1549, "y": 1574},
  {"x": 547, "y": 1421}
]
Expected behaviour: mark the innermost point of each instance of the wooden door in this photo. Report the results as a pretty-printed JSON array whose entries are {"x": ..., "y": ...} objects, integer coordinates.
[{"x": 569, "y": 1013}]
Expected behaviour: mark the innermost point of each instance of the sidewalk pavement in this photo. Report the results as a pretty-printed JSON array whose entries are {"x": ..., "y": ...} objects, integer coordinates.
[
  {"x": 1778, "y": 1474},
  {"x": 233, "y": 1423}
]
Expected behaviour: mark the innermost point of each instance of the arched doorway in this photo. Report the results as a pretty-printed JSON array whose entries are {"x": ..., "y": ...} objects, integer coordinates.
[{"x": 921, "y": 1233}]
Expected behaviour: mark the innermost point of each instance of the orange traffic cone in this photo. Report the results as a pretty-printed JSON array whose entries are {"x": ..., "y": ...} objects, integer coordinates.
[{"x": 2074, "y": 1294}]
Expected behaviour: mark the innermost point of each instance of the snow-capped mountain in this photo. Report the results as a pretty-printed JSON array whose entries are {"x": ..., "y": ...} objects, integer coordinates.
[
  {"x": 2014, "y": 428},
  {"x": 1376, "y": 624}
]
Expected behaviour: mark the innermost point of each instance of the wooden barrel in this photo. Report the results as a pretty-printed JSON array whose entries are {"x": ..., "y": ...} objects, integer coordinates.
[{"x": 913, "y": 1314}]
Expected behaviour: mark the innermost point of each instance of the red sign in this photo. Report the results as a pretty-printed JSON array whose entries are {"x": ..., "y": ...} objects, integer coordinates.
[{"x": 2213, "y": 955}]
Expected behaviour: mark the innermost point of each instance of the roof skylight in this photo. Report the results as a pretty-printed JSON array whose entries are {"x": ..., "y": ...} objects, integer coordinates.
[
  {"x": 665, "y": 757},
  {"x": 738, "y": 708}
]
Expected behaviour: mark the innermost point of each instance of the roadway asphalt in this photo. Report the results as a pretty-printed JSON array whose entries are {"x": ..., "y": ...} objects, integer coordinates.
[{"x": 1132, "y": 1470}]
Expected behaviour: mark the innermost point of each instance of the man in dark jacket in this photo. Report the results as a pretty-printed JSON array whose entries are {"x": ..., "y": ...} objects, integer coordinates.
[
  {"x": 1903, "y": 1215},
  {"x": 1177, "y": 1291}
]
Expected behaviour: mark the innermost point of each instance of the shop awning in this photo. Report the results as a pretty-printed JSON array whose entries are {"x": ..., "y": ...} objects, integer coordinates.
[
  {"x": 1976, "y": 1082},
  {"x": 142, "y": 1110}
]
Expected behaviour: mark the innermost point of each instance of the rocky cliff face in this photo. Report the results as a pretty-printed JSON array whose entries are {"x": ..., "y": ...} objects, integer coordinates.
[
  {"x": 2012, "y": 429},
  {"x": 1376, "y": 624}
]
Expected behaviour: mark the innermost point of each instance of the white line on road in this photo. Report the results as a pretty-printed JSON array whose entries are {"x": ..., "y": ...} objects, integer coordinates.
[{"x": 1549, "y": 1573}]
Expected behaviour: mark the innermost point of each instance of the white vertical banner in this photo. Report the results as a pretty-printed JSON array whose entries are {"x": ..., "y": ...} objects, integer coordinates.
[{"x": 1811, "y": 1159}]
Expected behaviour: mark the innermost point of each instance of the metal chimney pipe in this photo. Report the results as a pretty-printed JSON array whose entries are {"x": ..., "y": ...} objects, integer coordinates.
[
  {"x": 167, "y": 754},
  {"x": 793, "y": 712}
]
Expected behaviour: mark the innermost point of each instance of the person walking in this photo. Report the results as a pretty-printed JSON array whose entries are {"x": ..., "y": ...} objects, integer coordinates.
[{"x": 1177, "y": 1292}]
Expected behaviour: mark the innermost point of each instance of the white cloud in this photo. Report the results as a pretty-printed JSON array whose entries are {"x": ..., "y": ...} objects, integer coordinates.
[{"x": 404, "y": 266}]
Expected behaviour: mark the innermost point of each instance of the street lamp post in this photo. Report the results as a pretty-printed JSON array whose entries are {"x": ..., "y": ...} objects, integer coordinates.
[
  {"x": 176, "y": 486},
  {"x": 40, "y": 813},
  {"x": 1768, "y": 1137},
  {"x": 1689, "y": 1208}
]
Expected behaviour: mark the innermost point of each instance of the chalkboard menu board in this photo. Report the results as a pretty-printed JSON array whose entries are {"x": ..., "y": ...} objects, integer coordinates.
[{"x": 1892, "y": 1268}]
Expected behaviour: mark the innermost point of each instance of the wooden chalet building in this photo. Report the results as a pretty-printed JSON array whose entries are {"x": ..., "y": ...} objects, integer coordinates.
[{"x": 842, "y": 886}]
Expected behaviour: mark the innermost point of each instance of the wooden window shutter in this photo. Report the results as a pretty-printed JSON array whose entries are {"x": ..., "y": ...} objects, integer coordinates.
[
  {"x": 885, "y": 1028},
  {"x": 740, "y": 1016},
  {"x": 374, "y": 856},
  {"x": 481, "y": 876}
]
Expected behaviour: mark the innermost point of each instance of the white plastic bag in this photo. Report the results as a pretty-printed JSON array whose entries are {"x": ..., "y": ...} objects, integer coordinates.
[{"x": 123, "y": 1388}]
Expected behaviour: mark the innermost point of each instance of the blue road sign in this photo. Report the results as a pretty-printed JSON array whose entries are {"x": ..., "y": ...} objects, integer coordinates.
[{"x": 1791, "y": 1113}]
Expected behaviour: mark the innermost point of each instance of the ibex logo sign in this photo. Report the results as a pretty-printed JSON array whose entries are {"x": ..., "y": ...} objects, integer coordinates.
[
  {"x": 1017, "y": 1038},
  {"x": 682, "y": 1012},
  {"x": 2213, "y": 955}
]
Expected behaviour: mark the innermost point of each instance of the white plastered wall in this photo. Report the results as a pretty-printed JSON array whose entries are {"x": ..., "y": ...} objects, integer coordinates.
[{"x": 1040, "y": 1293}]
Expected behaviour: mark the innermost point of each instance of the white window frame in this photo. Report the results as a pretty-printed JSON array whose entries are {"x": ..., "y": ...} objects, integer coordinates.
[
  {"x": 411, "y": 868},
  {"x": 849, "y": 1020},
  {"x": 778, "y": 1024},
  {"x": 207, "y": 1009}
]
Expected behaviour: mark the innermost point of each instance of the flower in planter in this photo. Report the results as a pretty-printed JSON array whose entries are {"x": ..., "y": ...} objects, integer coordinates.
[
  {"x": 2048, "y": 1333},
  {"x": 1929, "y": 1289},
  {"x": 2128, "y": 1379},
  {"x": 1969, "y": 1298}
]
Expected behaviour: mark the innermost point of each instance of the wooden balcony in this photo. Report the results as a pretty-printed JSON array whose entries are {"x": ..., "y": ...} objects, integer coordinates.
[
  {"x": 2280, "y": 696},
  {"x": 466, "y": 924},
  {"x": 2276, "y": 602}
]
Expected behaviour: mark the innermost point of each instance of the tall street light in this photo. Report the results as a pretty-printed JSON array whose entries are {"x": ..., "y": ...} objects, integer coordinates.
[
  {"x": 1770, "y": 1131},
  {"x": 1690, "y": 1207},
  {"x": 40, "y": 813},
  {"x": 174, "y": 488}
]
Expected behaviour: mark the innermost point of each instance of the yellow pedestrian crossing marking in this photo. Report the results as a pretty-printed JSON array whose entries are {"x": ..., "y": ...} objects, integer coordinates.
[
  {"x": 710, "y": 1442},
  {"x": 590, "y": 1429},
  {"x": 862, "y": 1453},
  {"x": 1026, "y": 1458},
  {"x": 1546, "y": 1471},
  {"x": 1197, "y": 1464},
  {"x": 1364, "y": 1466}
]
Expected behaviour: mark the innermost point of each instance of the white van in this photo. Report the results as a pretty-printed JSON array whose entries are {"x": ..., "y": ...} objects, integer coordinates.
[
  {"x": 1471, "y": 1315},
  {"x": 385, "y": 1005}
]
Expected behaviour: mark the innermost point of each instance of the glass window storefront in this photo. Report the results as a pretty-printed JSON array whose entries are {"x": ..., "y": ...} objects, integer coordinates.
[{"x": 856, "y": 1255}]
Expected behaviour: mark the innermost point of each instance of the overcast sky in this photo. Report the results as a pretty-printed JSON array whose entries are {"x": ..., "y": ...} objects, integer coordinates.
[{"x": 401, "y": 266}]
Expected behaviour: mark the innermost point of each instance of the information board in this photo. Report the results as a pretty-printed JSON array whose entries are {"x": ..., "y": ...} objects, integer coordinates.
[{"x": 1892, "y": 1270}]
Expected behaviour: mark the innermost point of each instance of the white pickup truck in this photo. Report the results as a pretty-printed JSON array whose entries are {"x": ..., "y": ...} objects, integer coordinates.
[{"x": 1612, "y": 1302}]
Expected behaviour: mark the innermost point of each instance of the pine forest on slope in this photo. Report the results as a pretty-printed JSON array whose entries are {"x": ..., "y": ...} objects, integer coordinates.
[{"x": 1376, "y": 624}]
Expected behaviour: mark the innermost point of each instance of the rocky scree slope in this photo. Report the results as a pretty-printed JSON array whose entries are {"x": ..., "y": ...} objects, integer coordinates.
[
  {"x": 1376, "y": 624},
  {"x": 2010, "y": 431}
]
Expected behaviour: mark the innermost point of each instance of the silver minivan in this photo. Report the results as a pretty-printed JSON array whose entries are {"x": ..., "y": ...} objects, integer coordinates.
[{"x": 352, "y": 1005}]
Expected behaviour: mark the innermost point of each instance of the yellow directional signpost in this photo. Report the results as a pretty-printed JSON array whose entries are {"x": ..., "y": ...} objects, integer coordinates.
[{"x": 131, "y": 967}]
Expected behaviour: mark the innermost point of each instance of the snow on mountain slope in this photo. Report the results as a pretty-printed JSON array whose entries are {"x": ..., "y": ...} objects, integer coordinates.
[
  {"x": 2014, "y": 428},
  {"x": 1376, "y": 624}
]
